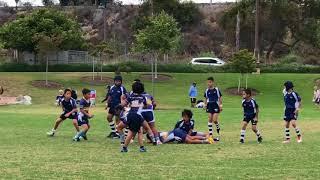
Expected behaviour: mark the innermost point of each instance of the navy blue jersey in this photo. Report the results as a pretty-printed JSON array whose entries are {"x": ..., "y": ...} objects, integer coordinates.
[
  {"x": 249, "y": 107},
  {"x": 59, "y": 98},
  {"x": 136, "y": 102},
  {"x": 84, "y": 105},
  {"x": 291, "y": 100},
  {"x": 212, "y": 95},
  {"x": 115, "y": 94},
  {"x": 68, "y": 105},
  {"x": 150, "y": 102},
  {"x": 185, "y": 126}
]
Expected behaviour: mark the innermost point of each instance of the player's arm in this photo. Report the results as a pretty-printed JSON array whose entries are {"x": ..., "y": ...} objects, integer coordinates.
[
  {"x": 220, "y": 103},
  {"x": 257, "y": 114},
  {"x": 86, "y": 113},
  {"x": 299, "y": 105},
  {"x": 124, "y": 101}
]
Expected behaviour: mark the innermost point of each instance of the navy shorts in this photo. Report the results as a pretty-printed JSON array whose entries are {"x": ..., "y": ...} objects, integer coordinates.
[
  {"x": 213, "y": 107},
  {"x": 134, "y": 121},
  {"x": 290, "y": 115},
  {"x": 82, "y": 120},
  {"x": 250, "y": 118},
  {"x": 72, "y": 116},
  {"x": 148, "y": 116},
  {"x": 112, "y": 111},
  {"x": 124, "y": 120},
  {"x": 180, "y": 135}
]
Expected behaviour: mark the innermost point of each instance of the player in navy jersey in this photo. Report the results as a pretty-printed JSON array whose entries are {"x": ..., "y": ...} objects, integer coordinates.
[
  {"x": 136, "y": 101},
  {"x": 69, "y": 108},
  {"x": 250, "y": 114},
  {"x": 213, "y": 104},
  {"x": 59, "y": 97},
  {"x": 84, "y": 115},
  {"x": 148, "y": 114},
  {"x": 114, "y": 99},
  {"x": 292, "y": 106}
]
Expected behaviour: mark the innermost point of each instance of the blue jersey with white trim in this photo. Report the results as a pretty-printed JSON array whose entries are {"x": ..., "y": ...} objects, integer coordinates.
[
  {"x": 136, "y": 102},
  {"x": 115, "y": 94},
  {"x": 292, "y": 100},
  {"x": 150, "y": 102},
  {"x": 68, "y": 105},
  {"x": 185, "y": 126},
  {"x": 249, "y": 107},
  {"x": 212, "y": 95}
]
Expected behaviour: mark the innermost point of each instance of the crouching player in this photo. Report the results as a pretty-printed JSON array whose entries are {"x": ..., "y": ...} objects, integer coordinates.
[
  {"x": 135, "y": 121},
  {"x": 292, "y": 106},
  {"x": 84, "y": 116},
  {"x": 122, "y": 113},
  {"x": 251, "y": 111},
  {"x": 69, "y": 107}
]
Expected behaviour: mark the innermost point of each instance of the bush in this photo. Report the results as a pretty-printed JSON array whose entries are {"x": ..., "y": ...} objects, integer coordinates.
[
  {"x": 291, "y": 59},
  {"x": 312, "y": 60}
]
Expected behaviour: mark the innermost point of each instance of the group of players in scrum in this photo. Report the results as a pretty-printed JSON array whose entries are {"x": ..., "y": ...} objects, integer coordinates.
[{"x": 134, "y": 114}]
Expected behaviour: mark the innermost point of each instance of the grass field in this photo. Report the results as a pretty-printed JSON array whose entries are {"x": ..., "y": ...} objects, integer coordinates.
[{"x": 27, "y": 153}]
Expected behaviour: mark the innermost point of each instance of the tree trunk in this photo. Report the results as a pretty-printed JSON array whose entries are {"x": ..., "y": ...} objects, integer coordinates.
[
  {"x": 156, "y": 66},
  {"x": 101, "y": 67},
  {"x": 93, "y": 68},
  {"x": 47, "y": 69},
  {"x": 246, "y": 80},
  {"x": 239, "y": 84},
  {"x": 152, "y": 75},
  {"x": 238, "y": 32},
  {"x": 270, "y": 49}
]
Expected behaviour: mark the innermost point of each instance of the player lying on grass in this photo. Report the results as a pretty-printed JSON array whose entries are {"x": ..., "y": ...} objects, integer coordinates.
[
  {"x": 250, "y": 111},
  {"x": 84, "y": 115},
  {"x": 69, "y": 108},
  {"x": 292, "y": 106},
  {"x": 136, "y": 101},
  {"x": 213, "y": 104}
]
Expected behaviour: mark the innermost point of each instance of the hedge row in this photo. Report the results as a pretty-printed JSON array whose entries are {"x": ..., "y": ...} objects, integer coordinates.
[{"x": 170, "y": 68}]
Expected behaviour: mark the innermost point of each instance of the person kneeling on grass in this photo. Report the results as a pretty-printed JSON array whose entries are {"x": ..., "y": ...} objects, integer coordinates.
[
  {"x": 251, "y": 111},
  {"x": 84, "y": 115},
  {"x": 135, "y": 121},
  {"x": 69, "y": 107}
]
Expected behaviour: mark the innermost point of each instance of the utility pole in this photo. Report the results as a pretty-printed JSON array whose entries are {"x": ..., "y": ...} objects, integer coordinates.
[
  {"x": 257, "y": 44},
  {"x": 104, "y": 25}
]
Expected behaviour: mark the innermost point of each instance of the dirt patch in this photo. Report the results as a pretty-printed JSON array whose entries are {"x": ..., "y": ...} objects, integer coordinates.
[
  {"x": 161, "y": 77},
  {"x": 234, "y": 91},
  {"x": 49, "y": 85},
  {"x": 97, "y": 80}
]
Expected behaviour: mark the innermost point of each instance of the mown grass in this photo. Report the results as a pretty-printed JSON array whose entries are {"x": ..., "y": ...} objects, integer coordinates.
[{"x": 28, "y": 154}]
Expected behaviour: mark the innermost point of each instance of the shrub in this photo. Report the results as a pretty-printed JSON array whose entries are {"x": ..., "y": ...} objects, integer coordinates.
[{"x": 290, "y": 59}]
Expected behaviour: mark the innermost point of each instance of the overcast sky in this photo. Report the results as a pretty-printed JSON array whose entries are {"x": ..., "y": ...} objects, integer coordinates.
[{"x": 39, "y": 2}]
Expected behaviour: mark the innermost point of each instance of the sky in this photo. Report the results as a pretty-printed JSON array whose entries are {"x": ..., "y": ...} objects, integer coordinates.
[{"x": 39, "y": 2}]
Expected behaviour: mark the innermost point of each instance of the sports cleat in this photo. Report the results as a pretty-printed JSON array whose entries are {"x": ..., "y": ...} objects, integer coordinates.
[
  {"x": 76, "y": 139},
  {"x": 299, "y": 140},
  {"x": 216, "y": 139},
  {"x": 50, "y": 133},
  {"x": 85, "y": 137},
  {"x": 210, "y": 140},
  {"x": 143, "y": 149},
  {"x": 241, "y": 141},
  {"x": 113, "y": 135},
  {"x": 260, "y": 139},
  {"x": 286, "y": 141},
  {"x": 124, "y": 150}
]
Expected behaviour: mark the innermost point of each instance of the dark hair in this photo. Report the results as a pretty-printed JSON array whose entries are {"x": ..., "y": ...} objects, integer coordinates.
[
  {"x": 119, "y": 78},
  {"x": 247, "y": 91},
  {"x": 119, "y": 107},
  {"x": 138, "y": 88},
  {"x": 85, "y": 91},
  {"x": 187, "y": 112},
  {"x": 67, "y": 90},
  {"x": 210, "y": 79},
  {"x": 137, "y": 80}
]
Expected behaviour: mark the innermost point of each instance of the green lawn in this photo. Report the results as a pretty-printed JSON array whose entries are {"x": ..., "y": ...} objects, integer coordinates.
[{"x": 27, "y": 153}]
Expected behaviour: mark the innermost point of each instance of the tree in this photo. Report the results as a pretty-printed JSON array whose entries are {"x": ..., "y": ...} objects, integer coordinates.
[
  {"x": 48, "y": 2},
  {"x": 3, "y": 4},
  {"x": 244, "y": 63},
  {"x": 20, "y": 34},
  {"x": 162, "y": 35}
]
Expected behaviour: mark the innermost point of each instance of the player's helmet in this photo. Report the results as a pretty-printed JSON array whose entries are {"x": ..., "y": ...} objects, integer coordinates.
[
  {"x": 288, "y": 85},
  {"x": 119, "y": 78}
]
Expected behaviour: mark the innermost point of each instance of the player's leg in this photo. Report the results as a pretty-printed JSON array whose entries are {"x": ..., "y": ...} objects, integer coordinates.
[
  {"x": 287, "y": 131},
  {"x": 75, "y": 124},
  {"x": 146, "y": 126},
  {"x": 120, "y": 128},
  {"x": 127, "y": 141},
  {"x": 243, "y": 131},
  {"x": 140, "y": 141},
  {"x": 56, "y": 125},
  {"x": 194, "y": 140},
  {"x": 294, "y": 125},
  {"x": 210, "y": 120},
  {"x": 111, "y": 124},
  {"x": 82, "y": 133},
  {"x": 216, "y": 122},
  {"x": 256, "y": 131}
]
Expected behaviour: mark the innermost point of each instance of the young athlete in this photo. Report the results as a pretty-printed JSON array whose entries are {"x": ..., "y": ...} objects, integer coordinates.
[
  {"x": 250, "y": 111},
  {"x": 114, "y": 99},
  {"x": 193, "y": 93},
  {"x": 59, "y": 97},
  {"x": 316, "y": 95},
  {"x": 213, "y": 104},
  {"x": 292, "y": 106},
  {"x": 148, "y": 114},
  {"x": 84, "y": 115},
  {"x": 69, "y": 108},
  {"x": 122, "y": 112},
  {"x": 135, "y": 121}
]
